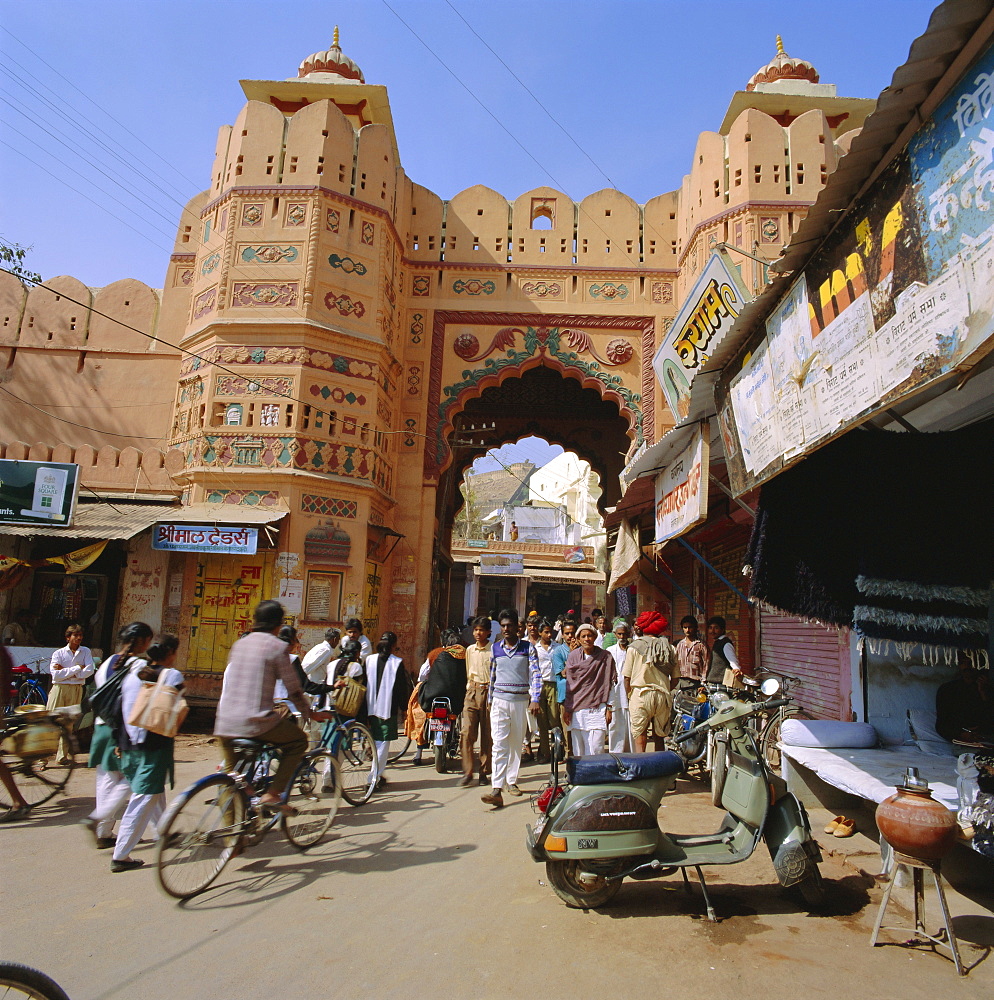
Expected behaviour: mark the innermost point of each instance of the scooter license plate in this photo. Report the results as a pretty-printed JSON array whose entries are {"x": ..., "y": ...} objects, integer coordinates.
[{"x": 438, "y": 726}]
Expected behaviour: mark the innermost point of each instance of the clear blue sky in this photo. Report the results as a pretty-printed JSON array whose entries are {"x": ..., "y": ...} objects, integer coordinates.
[{"x": 122, "y": 100}]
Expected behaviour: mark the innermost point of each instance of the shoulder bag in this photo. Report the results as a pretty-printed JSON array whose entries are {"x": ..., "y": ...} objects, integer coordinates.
[{"x": 159, "y": 707}]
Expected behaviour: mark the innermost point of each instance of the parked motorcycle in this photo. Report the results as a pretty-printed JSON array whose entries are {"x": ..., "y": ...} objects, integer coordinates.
[
  {"x": 601, "y": 827},
  {"x": 443, "y": 733}
]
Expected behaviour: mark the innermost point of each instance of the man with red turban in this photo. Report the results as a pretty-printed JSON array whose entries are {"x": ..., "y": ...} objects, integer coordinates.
[{"x": 651, "y": 671}]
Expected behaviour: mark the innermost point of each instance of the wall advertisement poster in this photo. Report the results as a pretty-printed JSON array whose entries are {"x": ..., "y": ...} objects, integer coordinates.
[{"x": 901, "y": 294}]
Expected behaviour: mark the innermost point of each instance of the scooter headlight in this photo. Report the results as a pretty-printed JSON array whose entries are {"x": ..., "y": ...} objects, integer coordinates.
[
  {"x": 719, "y": 698},
  {"x": 770, "y": 687}
]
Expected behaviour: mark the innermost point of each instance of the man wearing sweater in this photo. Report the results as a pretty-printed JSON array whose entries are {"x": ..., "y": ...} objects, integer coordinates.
[{"x": 515, "y": 689}]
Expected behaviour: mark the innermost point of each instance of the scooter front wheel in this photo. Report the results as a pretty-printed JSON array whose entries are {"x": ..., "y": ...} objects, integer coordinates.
[
  {"x": 812, "y": 889},
  {"x": 580, "y": 889}
]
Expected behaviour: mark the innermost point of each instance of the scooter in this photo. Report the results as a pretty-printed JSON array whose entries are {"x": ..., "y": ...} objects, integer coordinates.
[
  {"x": 443, "y": 732},
  {"x": 601, "y": 827}
]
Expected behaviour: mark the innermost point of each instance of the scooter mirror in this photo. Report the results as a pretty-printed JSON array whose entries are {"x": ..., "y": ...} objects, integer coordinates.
[{"x": 770, "y": 687}]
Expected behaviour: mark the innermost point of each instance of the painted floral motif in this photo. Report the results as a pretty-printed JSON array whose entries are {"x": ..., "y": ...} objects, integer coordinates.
[
  {"x": 269, "y": 254},
  {"x": 230, "y": 385},
  {"x": 421, "y": 285},
  {"x": 296, "y": 214},
  {"x": 210, "y": 263},
  {"x": 347, "y": 264},
  {"x": 541, "y": 289},
  {"x": 347, "y": 366},
  {"x": 345, "y": 305},
  {"x": 247, "y": 293},
  {"x": 662, "y": 292},
  {"x": 619, "y": 351},
  {"x": 204, "y": 303},
  {"x": 608, "y": 290},
  {"x": 311, "y": 503},
  {"x": 541, "y": 340},
  {"x": 332, "y": 220},
  {"x": 473, "y": 286},
  {"x": 185, "y": 276},
  {"x": 337, "y": 394},
  {"x": 410, "y": 429},
  {"x": 771, "y": 230},
  {"x": 368, "y": 233},
  {"x": 252, "y": 215},
  {"x": 465, "y": 345},
  {"x": 414, "y": 380}
]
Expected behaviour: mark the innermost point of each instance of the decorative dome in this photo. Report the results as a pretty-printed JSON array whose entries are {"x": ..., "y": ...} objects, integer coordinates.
[
  {"x": 332, "y": 62},
  {"x": 783, "y": 67}
]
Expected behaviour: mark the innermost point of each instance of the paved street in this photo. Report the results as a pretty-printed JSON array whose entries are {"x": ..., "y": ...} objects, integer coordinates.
[{"x": 425, "y": 891}]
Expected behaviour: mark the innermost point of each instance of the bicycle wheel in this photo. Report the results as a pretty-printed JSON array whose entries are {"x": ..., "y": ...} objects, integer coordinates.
[
  {"x": 200, "y": 833},
  {"x": 38, "y": 777},
  {"x": 18, "y": 980},
  {"x": 771, "y": 736},
  {"x": 315, "y": 794},
  {"x": 357, "y": 760},
  {"x": 29, "y": 693},
  {"x": 398, "y": 748}
]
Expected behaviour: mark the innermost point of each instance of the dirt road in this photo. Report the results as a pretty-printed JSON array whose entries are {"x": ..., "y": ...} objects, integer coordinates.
[{"x": 425, "y": 891}]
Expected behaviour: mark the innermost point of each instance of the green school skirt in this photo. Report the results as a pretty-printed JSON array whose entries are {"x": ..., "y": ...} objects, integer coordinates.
[
  {"x": 103, "y": 750},
  {"x": 147, "y": 765}
]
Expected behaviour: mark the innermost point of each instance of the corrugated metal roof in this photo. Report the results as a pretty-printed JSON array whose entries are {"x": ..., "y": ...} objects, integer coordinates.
[
  {"x": 99, "y": 521},
  {"x": 120, "y": 519}
]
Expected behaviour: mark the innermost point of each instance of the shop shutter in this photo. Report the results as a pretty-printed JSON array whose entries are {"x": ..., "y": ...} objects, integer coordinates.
[{"x": 817, "y": 655}]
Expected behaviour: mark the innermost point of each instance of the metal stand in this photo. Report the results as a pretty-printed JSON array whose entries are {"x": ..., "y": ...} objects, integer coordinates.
[
  {"x": 918, "y": 869},
  {"x": 707, "y": 898}
]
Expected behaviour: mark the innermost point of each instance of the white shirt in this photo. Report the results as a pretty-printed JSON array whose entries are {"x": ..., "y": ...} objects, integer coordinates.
[
  {"x": 71, "y": 668},
  {"x": 545, "y": 661},
  {"x": 619, "y": 696},
  {"x": 317, "y": 658}
]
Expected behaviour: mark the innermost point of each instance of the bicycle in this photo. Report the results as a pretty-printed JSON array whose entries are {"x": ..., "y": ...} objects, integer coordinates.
[
  {"x": 18, "y": 980},
  {"x": 29, "y": 742},
  {"x": 352, "y": 745},
  {"x": 769, "y": 734},
  {"x": 32, "y": 689},
  {"x": 214, "y": 819}
]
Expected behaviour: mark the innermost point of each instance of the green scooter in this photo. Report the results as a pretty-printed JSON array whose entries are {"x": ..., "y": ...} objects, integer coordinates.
[{"x": 601, "y": 828}]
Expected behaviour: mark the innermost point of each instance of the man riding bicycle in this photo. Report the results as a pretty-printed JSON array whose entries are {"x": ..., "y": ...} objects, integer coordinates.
[{"x": 247, "y": 708}]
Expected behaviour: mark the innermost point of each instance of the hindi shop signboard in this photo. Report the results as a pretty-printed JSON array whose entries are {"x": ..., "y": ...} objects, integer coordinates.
[
  {"x": 682, "y": 489},
  {"x": 707, "y": 314},
  {"x": 900, "y": 294},
  {"x": 38, "y": 492},
  {"x": 224, "y": 540},
  {"x": 502, "y": 565}
]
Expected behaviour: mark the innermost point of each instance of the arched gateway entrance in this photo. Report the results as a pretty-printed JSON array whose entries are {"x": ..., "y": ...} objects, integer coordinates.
[{"x": 573, "y": 380}]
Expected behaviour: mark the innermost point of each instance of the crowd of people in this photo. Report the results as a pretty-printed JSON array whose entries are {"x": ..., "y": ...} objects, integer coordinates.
[
  {"x": 607, "y": 689},
  {"x": 512, "y": 682}
]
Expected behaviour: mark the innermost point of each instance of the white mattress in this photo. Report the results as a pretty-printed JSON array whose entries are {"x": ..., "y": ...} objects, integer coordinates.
[{"x": 873, "y": 774}]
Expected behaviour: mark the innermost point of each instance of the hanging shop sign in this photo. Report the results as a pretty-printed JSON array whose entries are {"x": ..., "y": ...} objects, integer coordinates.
[
  {"x": 574, "y": 554},
  {"x": 901, "y": 294},
  {"x": 38, "y": 492},
  {"x": 204, "y": 538},
  {"x": 502, "y": 565},
  {"x": 682, "y": 489},
  {"x": 707, "y": 314}
]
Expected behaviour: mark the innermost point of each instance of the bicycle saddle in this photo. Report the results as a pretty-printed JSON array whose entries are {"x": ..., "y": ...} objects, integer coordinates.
[{"x": 246, "y": 743}]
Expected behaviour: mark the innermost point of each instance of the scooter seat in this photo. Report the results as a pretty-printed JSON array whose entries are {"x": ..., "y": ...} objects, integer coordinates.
[{"x": 605, "y": 768}]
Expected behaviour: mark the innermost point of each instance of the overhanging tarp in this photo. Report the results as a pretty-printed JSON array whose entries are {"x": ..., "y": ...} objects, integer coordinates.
[{"x": 103, "y": 520}]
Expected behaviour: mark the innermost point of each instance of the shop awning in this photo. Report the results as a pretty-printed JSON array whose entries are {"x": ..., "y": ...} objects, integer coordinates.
[{"x": 103, "y": 520}]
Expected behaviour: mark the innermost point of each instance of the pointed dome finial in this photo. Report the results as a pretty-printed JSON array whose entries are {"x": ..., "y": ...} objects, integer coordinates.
[
  {"x": 334, "y": 40},
  {"x": 780, "y": 51},
  {"x": 783, "y": 67}
]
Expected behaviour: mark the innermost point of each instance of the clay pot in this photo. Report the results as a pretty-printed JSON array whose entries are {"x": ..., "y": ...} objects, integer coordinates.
[{"x": 913, "y": 823}]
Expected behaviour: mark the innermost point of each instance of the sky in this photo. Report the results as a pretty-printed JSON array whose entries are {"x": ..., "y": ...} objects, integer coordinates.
[{"x": 109, "y": 110}]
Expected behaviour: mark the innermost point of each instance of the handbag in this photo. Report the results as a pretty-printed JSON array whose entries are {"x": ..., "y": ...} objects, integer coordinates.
[
  {"x": 159, "y": 708},
  {"x": 349, "y": 699}
]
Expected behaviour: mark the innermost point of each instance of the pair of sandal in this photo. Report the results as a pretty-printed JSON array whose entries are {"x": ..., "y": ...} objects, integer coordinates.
[
  {"x": 841, "y": 827},
  {"x": 13, "y": 815}
]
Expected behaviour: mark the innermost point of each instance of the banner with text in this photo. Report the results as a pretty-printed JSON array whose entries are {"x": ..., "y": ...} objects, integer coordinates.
[
  {"x": 682, "y": 489},
  {"x": 204, "y": 538}
]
